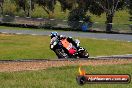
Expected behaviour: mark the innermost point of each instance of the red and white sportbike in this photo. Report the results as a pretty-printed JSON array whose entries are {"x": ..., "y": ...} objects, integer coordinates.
[{"x": 65, "y": 49}]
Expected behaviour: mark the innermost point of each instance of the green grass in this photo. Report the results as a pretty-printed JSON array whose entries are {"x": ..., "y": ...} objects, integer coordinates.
[
  {"x": 15, "y": 28},
  {"x": 13, "y": 47},
  {"x": 61, "y": 77},
  {"x": 37, "y": 47},
  {"x": 19, "y": 28}
]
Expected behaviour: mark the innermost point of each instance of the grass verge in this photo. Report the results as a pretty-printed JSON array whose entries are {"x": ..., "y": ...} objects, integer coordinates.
[
  {"x": 61, "y": 77},
  {"x": 18, "y": 28},
  {"x": 34, "y": 29},
  {"x": 37, "y": 47}
]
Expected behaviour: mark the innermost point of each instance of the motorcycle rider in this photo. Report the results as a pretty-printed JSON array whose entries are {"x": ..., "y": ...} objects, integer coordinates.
[
  {"x": 55, "y": 35},
  {"x": 68, "y": 45}
]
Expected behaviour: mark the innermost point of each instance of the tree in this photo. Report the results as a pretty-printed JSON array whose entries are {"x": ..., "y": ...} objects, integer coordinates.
[
  {"x": 98, "y": 7},
  {"x": 74, "y": 18},
  {"x": 48, "y": 6},
  {"x": 130, "y": 8},
  {"x": 26, "y": 5},
  {"x": 77, "y": 18},
  {"x": 1, "y": 6},
  {"x": 67, "y": 4},
  {"x": 109, "y": 7},
  {"x": 77, "y": 15}
]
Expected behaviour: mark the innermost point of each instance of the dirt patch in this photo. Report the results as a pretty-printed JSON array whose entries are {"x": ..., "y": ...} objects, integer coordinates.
[{"x": 39, "y": 65}]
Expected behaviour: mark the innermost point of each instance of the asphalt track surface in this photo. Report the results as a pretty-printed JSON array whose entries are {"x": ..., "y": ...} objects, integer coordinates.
[{"x": 117, "y": 37}]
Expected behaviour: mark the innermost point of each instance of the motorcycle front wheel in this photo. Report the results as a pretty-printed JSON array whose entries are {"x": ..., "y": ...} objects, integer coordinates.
[{"x": 60, "y": 53}]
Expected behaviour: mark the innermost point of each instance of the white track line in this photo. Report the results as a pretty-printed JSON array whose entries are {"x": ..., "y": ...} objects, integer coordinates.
[
  {"x": 113, "y": 56},
  {"x": 18, "y": 33},
  {"x": 33, "y": 34},
  {"x": 4, "y": 32},
  {"x": 39, "y": 18}
]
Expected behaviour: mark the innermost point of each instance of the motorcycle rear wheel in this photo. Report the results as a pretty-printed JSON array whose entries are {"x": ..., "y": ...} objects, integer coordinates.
[{"x": 83, "y": 54}]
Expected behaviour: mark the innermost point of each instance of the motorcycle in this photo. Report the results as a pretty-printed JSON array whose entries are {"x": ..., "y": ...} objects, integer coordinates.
[{"x": 65, "y": 49}]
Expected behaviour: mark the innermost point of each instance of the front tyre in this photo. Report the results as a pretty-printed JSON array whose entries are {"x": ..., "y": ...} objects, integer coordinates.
[{"x": 60, "y": 53}]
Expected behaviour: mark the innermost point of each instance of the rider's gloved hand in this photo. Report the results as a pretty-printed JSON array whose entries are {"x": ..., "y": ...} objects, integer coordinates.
[{"x": 51, "y": 47}]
